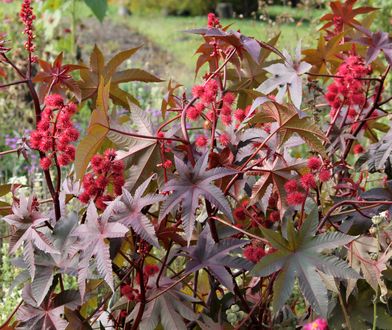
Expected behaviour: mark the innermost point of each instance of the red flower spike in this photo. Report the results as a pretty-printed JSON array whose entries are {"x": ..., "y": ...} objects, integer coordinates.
[
  {"x": 55, "y": 101},
  {"x": 27, "y": 16}
]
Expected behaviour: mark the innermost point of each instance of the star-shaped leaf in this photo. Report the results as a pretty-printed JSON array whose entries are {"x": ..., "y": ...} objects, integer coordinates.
[
  {"x": 130, "y": 212},
  {"x": 93, "y": 237},
  {"x": 290, "y": 123},
  {"x": 187, "y": 188},
  {"x": 345, "y": 12},
  {"x": 48, "y": 314},
  {"x": 376, "y": 42},
  {"x": 215, "y": 256},
  {"x": 286, "y": 78},
  {"x": 299, "y": 256},
  {"x": 27, "y": 220},
  {"x": 91, "y": 76},
  {"x": 325, "y": 58},
  {"x": 169, "y": 309},
  {"x": 56, "y": 78}
]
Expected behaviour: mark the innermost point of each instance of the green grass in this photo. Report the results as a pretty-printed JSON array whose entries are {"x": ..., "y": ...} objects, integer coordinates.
[
  {"x": 167, "y": 32},
  {"x": 299, "y": 14}
]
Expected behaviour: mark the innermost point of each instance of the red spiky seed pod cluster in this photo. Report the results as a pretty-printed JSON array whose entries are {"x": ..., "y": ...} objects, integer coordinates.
[
  {"x": 55, "y": 132},
  {"x": 105, "y": 171},
  {"x": 348, "y": 90},
  {"x": 295, "y": 189}
]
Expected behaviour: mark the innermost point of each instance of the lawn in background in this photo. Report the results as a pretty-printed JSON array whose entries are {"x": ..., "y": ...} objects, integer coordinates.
[{"x": 167, "y": 32}]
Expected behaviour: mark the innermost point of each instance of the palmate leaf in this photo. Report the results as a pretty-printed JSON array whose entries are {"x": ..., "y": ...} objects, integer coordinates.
[
  {"x": 169, "y": 309},
  {"x": 379, "y": 155},
  {"x": 49, "y": 313},
  {"x": 226, "y": 40},
  {"x": 376, "y": 42},
  {"x": 289, "y": 123},
  {"x": 57, "y": 78},
  {"x": 299, "y": 256},
  {"x": 92, "y": 75},
  {"x": 251, "y": 75},
  {"x": 275, "y": 173},
  {"x": 92, "y": 243},
  {"x": 187, "y": 188},
  {"x": 345, "y": 12},
  {"x": 26, "y": 220},
  {"x": 360, "y": 256},
  {"x": 142, "y": 154},
  {"x": 286, "y": 78},
  {"x": 215, "y": 256},
  {"x": 130, "y": 214},
  {"x": 324, "y": 58}
]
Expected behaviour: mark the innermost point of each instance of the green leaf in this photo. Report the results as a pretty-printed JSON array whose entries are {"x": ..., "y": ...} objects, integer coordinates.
[
  {"x": 283, "y": 287},
  {"x": 271, "y": 263},
  {"x": 98, "y": 7},
  {"x": 299, "y": 256}
]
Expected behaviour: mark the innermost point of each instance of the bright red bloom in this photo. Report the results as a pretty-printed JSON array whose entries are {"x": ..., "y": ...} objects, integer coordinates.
[
  {"x": 131, "y": 293},
  {"x": 226, "y": 120},
  {"x": 55, "y": 101},
  {"x": 291, "y": 186},
  {"x": 324, "y": 175},
  {"x": 151, "y": 269},
  {"x": 295, "y": 198},
  {"x": 358, "y": 149},
  {"x": 198, "y": 91},
  {"x": 308, "y": 181},
  {"x": 254, "y": 253},
  {"x": 167, "y": 164},
  {"x": 239, "y": 114},
  {"x": 224, "y": 139},
  {"x": 314, "y": 163},
  {"x": 193, "y": 113},
  {"x": 239, "y": 213},
  {"x": 274, "y": 216},
  {"x": 228, "y": 98},
  {"x": 348, "y": 90},
  {"x": 201, "y": 141},
  {"x": 45, "y": 163},
  {"x": 213, "y": 21}
]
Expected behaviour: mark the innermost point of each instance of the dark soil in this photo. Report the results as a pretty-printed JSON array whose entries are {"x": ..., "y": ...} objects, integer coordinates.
[{"x": 113, "y": 37}]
